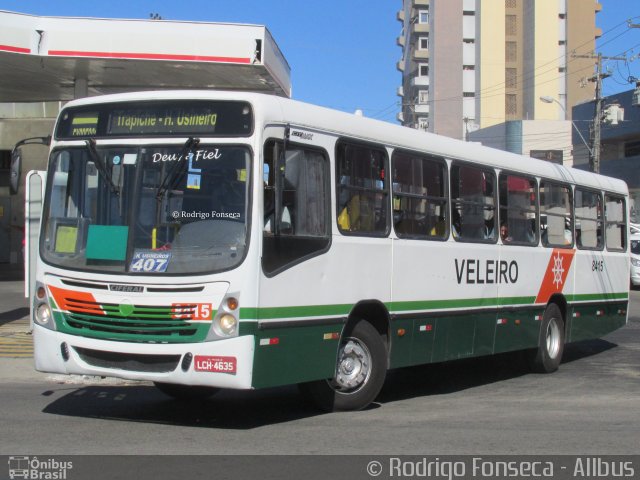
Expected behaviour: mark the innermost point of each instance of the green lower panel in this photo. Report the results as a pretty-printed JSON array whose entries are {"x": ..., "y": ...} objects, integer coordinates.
[
  {"x": 454, "y": 337},
  {"x": 517, "y": 330},
  {"x": 402, "y": 339},
  {"x": 594, "y": 321},
  {"x": 295, "y": 354}
]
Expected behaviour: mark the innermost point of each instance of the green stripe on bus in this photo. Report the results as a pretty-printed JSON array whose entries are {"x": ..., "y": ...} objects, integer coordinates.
[
  {"x": 270, "y": 313},
  {"x": 458, "y": 303},
  {"x": 591, "y": 297},
  {"x": 306, "y": 311}
]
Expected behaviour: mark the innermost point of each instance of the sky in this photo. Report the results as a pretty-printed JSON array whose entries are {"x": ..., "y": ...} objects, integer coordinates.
[{"x": 342, "y": 53}]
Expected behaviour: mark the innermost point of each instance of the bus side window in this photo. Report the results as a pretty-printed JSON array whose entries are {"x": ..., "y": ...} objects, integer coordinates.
[
  {"x": 473, "y": 205},
  {"x": 615, "y": 218},
  {"x": 588, "y": 208},
  {"x": 518, "y": 210},
  {"x": 362, "y": 190},
  {"x": 419, "y": 196},
  {"x": 302, "y": 194},
  {"x": 556, "y": 220}
]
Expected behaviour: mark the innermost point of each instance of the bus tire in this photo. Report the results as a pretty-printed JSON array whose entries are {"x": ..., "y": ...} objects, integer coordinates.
[
  {"x": 186, "y": 392},
  {"x": 361, "y": 368},
  {"x": 547, "y": 356}
]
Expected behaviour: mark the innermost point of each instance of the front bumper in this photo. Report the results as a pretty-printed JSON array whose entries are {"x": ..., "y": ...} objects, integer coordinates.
[
  {"x": 635, "y": 275},
  {"x": 51, "y": 348}
]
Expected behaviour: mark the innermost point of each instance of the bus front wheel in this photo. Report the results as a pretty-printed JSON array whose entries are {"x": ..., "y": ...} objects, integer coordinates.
[
  {"x": 360, "y": 372},
  {"x": 546, "y": 358},
  {"x": 186, "y": 392}
]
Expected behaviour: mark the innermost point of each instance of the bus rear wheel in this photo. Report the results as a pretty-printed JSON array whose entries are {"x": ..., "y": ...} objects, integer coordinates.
[
  {"x": 547, "y": 356},
  {"x": 360, "y": 372},
  {"x": 186, "y": 392}
]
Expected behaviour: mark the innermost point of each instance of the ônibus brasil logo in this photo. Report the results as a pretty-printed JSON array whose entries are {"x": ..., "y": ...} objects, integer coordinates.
[{"x": 38, "y": 469}]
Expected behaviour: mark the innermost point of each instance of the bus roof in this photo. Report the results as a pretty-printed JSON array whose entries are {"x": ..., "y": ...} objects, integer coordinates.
[{"x": 273, "y": 109}]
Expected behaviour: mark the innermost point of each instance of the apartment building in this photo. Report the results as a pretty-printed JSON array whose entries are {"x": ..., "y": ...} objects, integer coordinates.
[{"x": 471, "y": 64}]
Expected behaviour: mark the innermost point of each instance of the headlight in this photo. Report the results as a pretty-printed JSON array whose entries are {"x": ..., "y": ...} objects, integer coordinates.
[
  {"x": 226, "y": 324},
  {"x": 43, "y": 314},
  {"x": 635, "y": 262}
]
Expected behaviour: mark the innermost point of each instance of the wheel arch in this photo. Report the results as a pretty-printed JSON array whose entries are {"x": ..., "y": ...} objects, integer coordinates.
[
  {"x": 374, "y": 312},
  {"x": 560, "y": 300}
]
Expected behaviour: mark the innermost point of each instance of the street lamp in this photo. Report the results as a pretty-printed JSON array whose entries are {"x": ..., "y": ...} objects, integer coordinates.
[{"x": 548, "y": 99}]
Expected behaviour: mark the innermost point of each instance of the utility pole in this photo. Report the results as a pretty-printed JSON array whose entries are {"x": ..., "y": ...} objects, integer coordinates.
[
  {"x": 597, "y": 121},
  {"x": 594, "y": 160}
]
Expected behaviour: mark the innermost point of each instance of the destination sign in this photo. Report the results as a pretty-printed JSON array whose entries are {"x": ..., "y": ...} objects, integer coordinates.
[{"x": 170, "y": 118}]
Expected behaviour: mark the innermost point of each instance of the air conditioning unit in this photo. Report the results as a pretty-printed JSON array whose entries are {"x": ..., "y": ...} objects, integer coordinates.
[{"x": 613, "y": 114}]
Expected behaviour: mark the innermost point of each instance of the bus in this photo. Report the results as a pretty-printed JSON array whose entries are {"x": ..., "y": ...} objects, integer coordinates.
[{"x": 230, "y": 240}]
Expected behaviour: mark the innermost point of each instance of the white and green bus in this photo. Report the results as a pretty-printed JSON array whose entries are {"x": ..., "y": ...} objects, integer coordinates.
[{"x": 208, "y": 240}]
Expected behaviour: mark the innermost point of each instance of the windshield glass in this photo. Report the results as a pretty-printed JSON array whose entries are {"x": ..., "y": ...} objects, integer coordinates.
[
  {"x": 151, "y": 209},
  {"x": 635, "y": 247}
]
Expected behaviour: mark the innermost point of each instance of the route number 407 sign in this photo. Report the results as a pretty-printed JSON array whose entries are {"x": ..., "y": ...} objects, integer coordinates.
[{"x": 150, "y": 262}]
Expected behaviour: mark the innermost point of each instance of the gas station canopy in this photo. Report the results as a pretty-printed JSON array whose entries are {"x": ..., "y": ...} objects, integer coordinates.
[{"x": 61, "y": 58}]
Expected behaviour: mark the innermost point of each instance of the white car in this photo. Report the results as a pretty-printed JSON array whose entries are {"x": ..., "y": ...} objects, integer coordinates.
[
  {"x": 635, "y": 259},
  {"x": 634, "y": 228}
]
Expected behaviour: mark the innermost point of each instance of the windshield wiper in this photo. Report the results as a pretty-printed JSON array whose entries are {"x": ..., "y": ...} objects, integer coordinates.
[
  {"x": 178, "y": 168},
  {"x": 100, "y": 165}
]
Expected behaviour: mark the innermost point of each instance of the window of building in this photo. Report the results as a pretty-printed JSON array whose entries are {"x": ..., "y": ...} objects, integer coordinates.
[
  {"x": 423, "y": 70},
  {"x": 511, "y": 104},
  {"x": 469, "y": 40},
  {"x": 296, "y": 205},
  {"x": 423, "y": 16},
  {"x": 419, "y": 196},
  {"x": 423, "y": 123},
  {"x": 362, "y": 189},
  {"x": 518, "y": 210},
  {"x": 468, "y": 94},
  {"x": 423, "y": 43},
  {"x": 632, "y": 149},
  {"x": 616, "y": 226},
  {"x": 511, "y": 24},
  {"x": 467, "y": 68},
  {"x": 473, "y": 204},
  {"x": 556, "y": 219},
  {"x": 588, "y": 209},
  {"x": 468, "y": 13},
  {"x": 510, "y": 4},
  {"x": 511, "y": 51},
  {"x": 511, "y": 77},
  {"x": 423, "y": 97}
]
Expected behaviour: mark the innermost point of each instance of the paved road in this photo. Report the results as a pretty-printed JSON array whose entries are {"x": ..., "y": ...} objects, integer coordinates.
[{"x": 480, "y": 407}]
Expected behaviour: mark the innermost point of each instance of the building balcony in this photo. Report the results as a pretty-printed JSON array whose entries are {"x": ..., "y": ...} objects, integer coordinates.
[
  {"x": 400, "y": 65},
  {"x": 421, "y": 3},
  {"x": 400, "y": 117},
  {"x": 400, "y": 91},
  {"x": 421, "y": 108},
  {"x": 420, "y": 81},
  {"x": 400, "y": 16},
  {"x": 420, "y": 55},
  {"x": 420, "y": 28},
  {"x": 400, "y": 41}
]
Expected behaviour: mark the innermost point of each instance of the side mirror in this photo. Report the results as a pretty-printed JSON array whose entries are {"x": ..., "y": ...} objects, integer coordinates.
[{"x": 15, "y": 171}]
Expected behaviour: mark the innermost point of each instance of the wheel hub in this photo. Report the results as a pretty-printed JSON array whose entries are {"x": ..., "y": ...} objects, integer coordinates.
[{"x": 354, "y": 366}]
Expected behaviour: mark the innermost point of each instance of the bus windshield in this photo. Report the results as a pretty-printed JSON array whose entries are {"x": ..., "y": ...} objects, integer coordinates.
[{"x": 147, "y": 209}]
